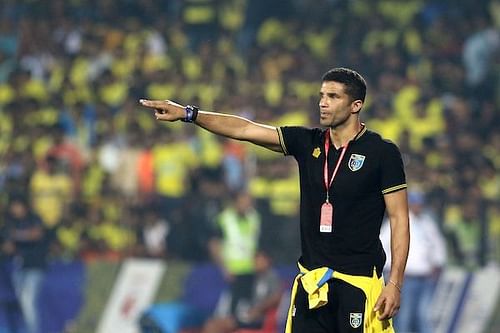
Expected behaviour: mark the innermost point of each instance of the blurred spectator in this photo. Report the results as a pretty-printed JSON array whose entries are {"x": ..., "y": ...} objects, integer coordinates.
[
  {"x": 280, "y": 221},
  {"x": 51, "y": 191},
  {"x": 265, "y": 297},
  {"x": 236, "y": 236},
  {"x": 9, "y": 38},
  {"x": 210, "y": 193},
  {"x": 426, "y": 259},
  {"x": 68, "y": 242},
  {"x": 110, "y": 229},
  {"x": 153, "y": 233},
  {"x": 16, "y": 169},
  {"x": 234, "y": 247},
  {"x": 173, "y": 158},
  {"x": 126, "y": 181},
  {"x": 145, "y": 171},
  {"x": 7, "y": 66},
  {"x": 234, "y": 165},
  {"x": 8, "y": 300},
  {"x": 478, "y": 53},
  {"x": 68, "y": 157},
  {"x": 25, "y": 229},
  {"x": 463, "y": 226}
]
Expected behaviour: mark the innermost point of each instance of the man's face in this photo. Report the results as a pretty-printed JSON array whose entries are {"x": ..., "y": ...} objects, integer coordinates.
[
  {"x": 335, "y": 105},
  {"x": 243, "y": 203}
]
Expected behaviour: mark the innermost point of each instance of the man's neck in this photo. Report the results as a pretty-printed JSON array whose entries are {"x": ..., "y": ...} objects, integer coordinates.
[{"x": 341, "y": 135}]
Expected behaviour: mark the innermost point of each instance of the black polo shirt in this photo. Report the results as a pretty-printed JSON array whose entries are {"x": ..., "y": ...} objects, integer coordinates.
[{"x": 370, "y": 168}]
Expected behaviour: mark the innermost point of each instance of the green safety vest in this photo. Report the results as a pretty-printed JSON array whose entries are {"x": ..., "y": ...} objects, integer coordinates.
[{"x": 240, "y": 239}]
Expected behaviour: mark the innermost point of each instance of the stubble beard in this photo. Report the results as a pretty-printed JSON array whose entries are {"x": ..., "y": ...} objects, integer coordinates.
[{"x": 336, "y": 123}]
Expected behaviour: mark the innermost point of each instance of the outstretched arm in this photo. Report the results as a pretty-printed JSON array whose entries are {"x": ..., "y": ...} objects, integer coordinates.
[{"x": 230, "y": 126}]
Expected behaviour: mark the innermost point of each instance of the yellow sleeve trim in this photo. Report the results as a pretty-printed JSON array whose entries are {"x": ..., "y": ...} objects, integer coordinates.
[
  {"x": 394, "y": 188},
  {"x": 282, "y": 141}
]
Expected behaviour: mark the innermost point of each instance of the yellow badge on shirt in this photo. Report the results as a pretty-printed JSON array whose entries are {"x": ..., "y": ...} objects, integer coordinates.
[{"x": 316, "y": 152}]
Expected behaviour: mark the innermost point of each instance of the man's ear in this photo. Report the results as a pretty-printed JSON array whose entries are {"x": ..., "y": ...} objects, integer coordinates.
[{"x": 356, "y": 106}]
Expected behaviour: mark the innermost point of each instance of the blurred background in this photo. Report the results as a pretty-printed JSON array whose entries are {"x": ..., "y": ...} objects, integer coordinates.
[{"x": 97, "y": 198}]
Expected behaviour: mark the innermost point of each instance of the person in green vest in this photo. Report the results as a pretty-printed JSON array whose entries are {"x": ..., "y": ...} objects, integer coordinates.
[{"x": 233, "y": 248}]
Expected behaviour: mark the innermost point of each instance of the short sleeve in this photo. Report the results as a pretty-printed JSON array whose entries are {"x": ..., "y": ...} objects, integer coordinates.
[
  {"x": 294, "y": 139},
  {"x": 392, "y": 169}
]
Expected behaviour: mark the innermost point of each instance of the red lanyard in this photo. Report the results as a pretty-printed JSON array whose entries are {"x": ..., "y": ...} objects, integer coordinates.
[{"x": 328, "y": 184}]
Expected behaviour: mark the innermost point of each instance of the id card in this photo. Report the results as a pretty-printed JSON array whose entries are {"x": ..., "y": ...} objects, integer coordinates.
[{"x": 326, "y": 221}]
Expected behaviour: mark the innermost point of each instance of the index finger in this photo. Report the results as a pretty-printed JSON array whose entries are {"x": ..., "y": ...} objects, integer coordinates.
[{"x": 152, "y": 104}]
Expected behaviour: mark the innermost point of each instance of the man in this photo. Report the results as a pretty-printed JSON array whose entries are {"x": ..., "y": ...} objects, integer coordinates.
[
  {"x": 25, "y": 231},
  {"x": 233, "y": 248},
  {"x": 349, "y": 176},
  {"x": 8, "y": 301},
  {"x": 236, "y": 237},
  {"x": 51, "y": 192}
]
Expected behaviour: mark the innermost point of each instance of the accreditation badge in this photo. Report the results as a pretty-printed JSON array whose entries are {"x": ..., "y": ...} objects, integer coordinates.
[{"x": 326, "y": 221}]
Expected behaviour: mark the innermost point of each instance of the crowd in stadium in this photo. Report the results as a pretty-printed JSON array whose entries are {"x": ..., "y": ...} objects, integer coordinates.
[{"x": 104, "y": 176}]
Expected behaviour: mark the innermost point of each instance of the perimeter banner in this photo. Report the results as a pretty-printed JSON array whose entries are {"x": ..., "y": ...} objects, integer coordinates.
[{"x": 133, "y": 291}]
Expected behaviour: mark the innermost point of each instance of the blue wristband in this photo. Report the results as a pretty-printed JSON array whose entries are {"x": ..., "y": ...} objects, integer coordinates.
[{"x": 191, "y": 113}]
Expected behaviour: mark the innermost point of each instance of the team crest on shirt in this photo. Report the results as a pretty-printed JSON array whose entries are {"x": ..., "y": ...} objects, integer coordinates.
[
  {"x": 356, "y": 162},
  {"x": 355, "y": 319}
]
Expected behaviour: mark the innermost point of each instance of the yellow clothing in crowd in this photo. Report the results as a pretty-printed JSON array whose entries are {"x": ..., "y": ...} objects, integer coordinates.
[
  {"x": 172, "y": 163},
  {"x": 114, "y": 236},
  {"x": 50, "y": 195}
]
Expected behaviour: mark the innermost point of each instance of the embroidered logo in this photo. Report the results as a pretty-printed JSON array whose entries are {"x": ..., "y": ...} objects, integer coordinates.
[
  {"x": 356, "y": 162},
  {"x": 316, "y": 152},
  {"x": 355, "y": 319}
]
